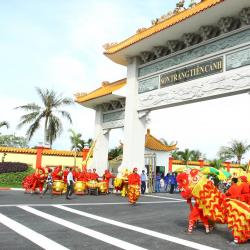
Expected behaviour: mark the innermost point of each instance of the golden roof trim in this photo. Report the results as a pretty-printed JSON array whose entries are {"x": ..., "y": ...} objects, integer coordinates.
[
  {"x": 159, "y": 26},
  {"x": 154, "y": 144},
  {"x": 107, "y": 88},
  {"x": 17, "y": 150},
  {"x": 34, "y": 151}
]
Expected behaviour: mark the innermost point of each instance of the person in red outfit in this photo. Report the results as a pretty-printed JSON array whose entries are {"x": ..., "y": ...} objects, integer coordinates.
[
  {"x": 134, "y": 185},
  {"x": 106, "y": 177},
  {"x": 83, "y": 176},
  {"x": 89, "y": 175},
  {"x": 195, "y": 213},
  {"x": 245, "y": 190},
  {"x": 75, "y": 173},
  {"x": 40, "y": 178},
  {"x": 94, "y": 175},
  {"x": 65, "y": 174},
  {"x": 234, "y": 192},
  {"x": 57, "y": 173}
]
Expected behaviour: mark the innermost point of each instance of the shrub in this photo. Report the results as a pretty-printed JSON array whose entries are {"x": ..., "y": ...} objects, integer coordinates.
[
  {"x": 8, "y": 167},
  {"x": 15, "y": 178}
]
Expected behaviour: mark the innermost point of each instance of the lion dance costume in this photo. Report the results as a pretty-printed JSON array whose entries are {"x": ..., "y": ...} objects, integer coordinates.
[
  {"x": 212, "y": 205},
  {"x": 34, "y": 181},
  {"x": 134, "y": 186}
]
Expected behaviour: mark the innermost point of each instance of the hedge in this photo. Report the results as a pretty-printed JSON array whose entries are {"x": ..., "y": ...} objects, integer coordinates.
[
  {"x": 15, "y": 178},
  {"x": 9, "y": 167}
]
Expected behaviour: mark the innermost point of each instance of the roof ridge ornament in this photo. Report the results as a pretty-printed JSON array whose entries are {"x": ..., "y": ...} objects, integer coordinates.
[
  {"x": 107, "y": 46},
  {"x": 180, "y": 6}
]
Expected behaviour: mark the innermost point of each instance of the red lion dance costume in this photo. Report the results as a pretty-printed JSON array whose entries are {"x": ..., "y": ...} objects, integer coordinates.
[
  {"x": 213, "y": 205},
  {"x": 134, "y": 186},
  {"x": 34, "y": 181}
]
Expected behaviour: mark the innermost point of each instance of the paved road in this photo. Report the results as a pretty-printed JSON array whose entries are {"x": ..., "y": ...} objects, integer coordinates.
[{"x": 102, "y": 222}]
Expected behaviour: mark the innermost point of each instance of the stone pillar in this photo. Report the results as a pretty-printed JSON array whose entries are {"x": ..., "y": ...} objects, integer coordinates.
[
  {"x": 100, "y": 152},
  {"x": 134, "y": 124}
]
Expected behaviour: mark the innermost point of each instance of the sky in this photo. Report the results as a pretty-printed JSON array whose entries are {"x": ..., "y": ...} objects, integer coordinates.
[{"x": 57, "y": 44}]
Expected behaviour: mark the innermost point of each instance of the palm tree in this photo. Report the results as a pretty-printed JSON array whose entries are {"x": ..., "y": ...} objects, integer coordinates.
[
  {"x": 175, "y": 155},
  {"x": 115, "y": 152},
  {"x": 185, "y": 155},
  {"x": 236, "y": 149},
  {"x": 47, "y": 112},
  {"x": 196, "y": 155},
  {"x": 4, "y": 123},
  {"x": 165, "y": 142},
  {"x": 216, "y": 163},
  {"x": 77, "y": 143}
]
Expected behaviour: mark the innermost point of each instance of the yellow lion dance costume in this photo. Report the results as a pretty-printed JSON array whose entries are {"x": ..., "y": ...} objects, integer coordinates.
[{"x": 215, "y": 206}]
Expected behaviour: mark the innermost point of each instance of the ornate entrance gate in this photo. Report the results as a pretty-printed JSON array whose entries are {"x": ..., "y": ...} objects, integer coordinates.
[{"x": 189, "y": 55}]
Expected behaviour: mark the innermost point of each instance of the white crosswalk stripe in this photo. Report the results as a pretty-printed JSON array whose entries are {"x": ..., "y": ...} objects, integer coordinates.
[
  {"x": 33, "y": 236},
  {"x": 139, "y": 229},
  {"x": 92, "y": 233}
]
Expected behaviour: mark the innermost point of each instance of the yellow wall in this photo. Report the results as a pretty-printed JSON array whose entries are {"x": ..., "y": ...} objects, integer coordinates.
[
  {"x": 51, "y": 160},
  {"x": 30, "y": 159}
]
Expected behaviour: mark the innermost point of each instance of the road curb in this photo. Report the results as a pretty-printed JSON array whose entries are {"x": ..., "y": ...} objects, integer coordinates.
[{"x": 7, "y": 189}]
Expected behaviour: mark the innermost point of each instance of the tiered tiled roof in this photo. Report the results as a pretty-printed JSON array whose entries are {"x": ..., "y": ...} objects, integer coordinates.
[
  {"x": 34, "y": 151},
  {"x": 105, "y": 89},
  {"x": 154, "y": 144},
  {"x": 17, "y": 150},
  {"x": 177, "y": 18}
]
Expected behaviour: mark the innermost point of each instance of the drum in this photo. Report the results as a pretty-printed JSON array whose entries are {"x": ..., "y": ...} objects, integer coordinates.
[
  {"x": 58, "y": 186},
  {"x": 92, "y": 184},
  {"x": 103, "y": 187},
  {"x": 80, "y": 187}
]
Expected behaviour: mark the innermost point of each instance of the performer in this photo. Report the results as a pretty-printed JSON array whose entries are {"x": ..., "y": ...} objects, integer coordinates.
[
  {"x": 245, "y": 190},
  {"x": 89, "y": 175},
  {"x": 234, "y": 192},
  {"x": 83, "y": 176},
  {"x": 195, "y": 213},
  {"x": 75, "y": 173},
  {"x": 94, "y": 176},
  {"x": 134, "y": 184},
  {"x": 57, "y": 173},
  {"x": 49, "y": 183},
  {"x": 39, "y": 179},
  {"x": 106, "y": 177}
]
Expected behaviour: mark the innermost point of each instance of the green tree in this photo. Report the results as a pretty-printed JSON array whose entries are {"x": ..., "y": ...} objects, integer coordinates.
[
  {"x": 114, "y": 152},
  {"x": 51, "y": 104},
  {"x": 185, "y": 155},
  {"x": 76, "y": 142},
  {"x": 13, "y": 141},
  {"x": 4, "y": 123},
  {"x": 165, "y": 142},
  {"x": 236, "y": 150},
  {"x": 175, "y": 155},
  {"x": 216, "y": 163},
  {"x": 196, "y": 155}
]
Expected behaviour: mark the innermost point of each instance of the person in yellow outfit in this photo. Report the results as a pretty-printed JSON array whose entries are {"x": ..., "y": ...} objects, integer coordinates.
[{"x": 134, "y": 185}]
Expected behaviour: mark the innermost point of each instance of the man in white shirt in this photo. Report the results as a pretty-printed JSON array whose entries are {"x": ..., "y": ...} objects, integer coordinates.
[{"x": 70, "y": 184}]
